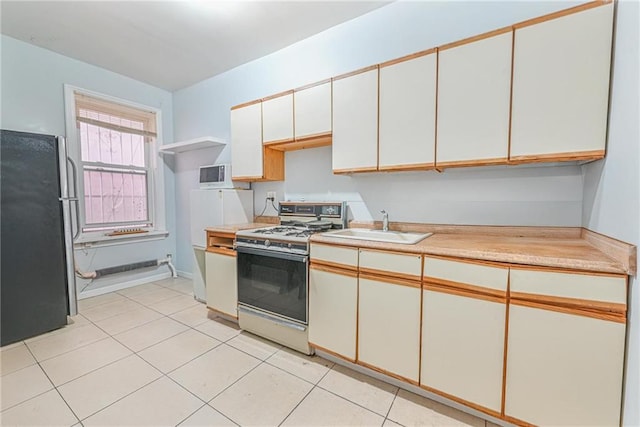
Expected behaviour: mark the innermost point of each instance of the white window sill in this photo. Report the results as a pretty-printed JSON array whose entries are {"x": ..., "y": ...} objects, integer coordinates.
[{"x": 90, "y": 240}]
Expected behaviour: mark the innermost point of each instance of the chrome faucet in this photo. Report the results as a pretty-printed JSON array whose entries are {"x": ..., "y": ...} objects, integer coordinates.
[{"x": 385, "y": 220}]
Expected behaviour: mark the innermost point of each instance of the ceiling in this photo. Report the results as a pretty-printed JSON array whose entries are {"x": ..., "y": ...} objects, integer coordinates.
[{"x": 171, "y": 44}]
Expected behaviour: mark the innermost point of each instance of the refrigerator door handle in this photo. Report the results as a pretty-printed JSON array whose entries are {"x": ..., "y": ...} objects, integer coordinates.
[
  {"x": 74, "y": 180},
  {"x": 72, "y": 302}
]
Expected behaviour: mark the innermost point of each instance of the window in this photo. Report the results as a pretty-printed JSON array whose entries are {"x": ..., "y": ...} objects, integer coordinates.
[{"x": 116, "y": 178}]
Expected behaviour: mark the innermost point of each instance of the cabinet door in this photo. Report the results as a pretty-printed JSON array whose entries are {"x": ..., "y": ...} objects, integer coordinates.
[
  {"x": 355, "y": 122},
  {"x": 561, "y": 86},
  {"x": 408, "y": 114},
  {"x": 312, "y": 108},
  {"x": 222, "y": 283},
  {"x": 474, "y": 89},
  {"x": 246, "y": 142},
  {"x": 277, "y": 119},
  {"x": 463, "y": 346},
  {"x": 333, "y": 302},
  {"x": 563, "y": 369},
  {"x": 389, "y": 327}
]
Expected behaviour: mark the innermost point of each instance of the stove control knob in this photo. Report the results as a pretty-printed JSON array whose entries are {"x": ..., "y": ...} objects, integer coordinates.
[
  {"x": 267, "y": 242},
  {"x": 289, "y": 245}
]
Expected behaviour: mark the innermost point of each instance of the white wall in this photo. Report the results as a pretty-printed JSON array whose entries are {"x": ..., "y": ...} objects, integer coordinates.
[
  {"x": 612, "y": 186},
  {"x": 522, "y": 196},
  {"x": 32, "y": 100}
]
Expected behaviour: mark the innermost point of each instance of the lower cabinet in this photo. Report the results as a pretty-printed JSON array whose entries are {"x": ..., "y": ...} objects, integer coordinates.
[
  {"x": 563, "y": 368},
  {"x": 222, "y": 282},
  {"x": 463, "y": 346},
  {"x": 389, "y": 326},
  {"x": 333, "y": 304}
]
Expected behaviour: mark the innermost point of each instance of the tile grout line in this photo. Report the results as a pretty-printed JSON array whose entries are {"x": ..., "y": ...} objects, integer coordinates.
[
  {"x": 386, "y": 417},
  {"x": 305, "y": 396}
]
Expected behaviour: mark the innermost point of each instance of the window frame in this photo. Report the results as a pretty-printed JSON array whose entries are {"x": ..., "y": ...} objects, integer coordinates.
[{"x": 154, "y": 171}]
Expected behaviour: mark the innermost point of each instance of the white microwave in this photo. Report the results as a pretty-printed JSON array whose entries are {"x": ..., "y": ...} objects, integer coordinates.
[{"x": 216, "y": 176}]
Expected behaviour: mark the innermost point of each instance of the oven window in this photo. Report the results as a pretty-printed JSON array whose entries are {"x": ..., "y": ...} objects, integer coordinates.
[{"x": 273, "y": 284}]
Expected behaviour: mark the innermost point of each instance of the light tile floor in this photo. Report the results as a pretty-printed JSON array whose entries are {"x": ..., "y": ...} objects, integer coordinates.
[{"x": 149, "y": 355}]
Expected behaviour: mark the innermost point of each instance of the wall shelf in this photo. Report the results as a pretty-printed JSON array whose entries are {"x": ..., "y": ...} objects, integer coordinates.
[{"x": 192, "y": 144}]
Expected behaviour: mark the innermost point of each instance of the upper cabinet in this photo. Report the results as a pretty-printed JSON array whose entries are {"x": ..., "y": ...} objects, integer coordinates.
[
  {"x": 312, "y": 111},
  {"x": 474, "y": 89},
  {"x": 250, "y": 160},
  {"x": 277, "y": 118},
  {"x": 561, "y": 86},
  {"x": 355, "y": 122},
  {"x": 408, "y": 112}
]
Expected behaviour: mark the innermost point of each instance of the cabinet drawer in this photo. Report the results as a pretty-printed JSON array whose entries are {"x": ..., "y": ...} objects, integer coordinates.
[
  {"x": 335, "y": 255},
  {"x": 599, "y": 288},
  {"x": 467, "y": 274},
  {"x": 402, "y": 265}
]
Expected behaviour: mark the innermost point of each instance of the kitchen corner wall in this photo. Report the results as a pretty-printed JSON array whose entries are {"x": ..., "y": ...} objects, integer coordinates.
[
  {"x": 500, "y": 195},
  {"x": 32, "y": 100},
  {"x": 612, "y": 186}
]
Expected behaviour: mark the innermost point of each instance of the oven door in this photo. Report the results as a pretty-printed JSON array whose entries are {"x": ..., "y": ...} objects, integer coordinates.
[{"x": 274, "y": 282}]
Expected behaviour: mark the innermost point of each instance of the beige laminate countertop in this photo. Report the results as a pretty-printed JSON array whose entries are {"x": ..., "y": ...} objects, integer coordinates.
[
  {"x": 233, "y": 228},
  {"x": 574, "y": 253}
]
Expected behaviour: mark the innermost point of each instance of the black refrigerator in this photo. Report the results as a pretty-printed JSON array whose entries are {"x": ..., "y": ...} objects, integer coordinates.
[{"x": 37, "y": 284}]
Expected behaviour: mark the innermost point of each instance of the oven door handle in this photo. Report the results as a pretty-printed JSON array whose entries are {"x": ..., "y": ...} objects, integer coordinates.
[{"x": 272, "y": 254}]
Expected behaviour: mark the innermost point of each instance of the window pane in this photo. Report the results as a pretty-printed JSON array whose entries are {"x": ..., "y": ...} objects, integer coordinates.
[
  {"x": 115, "y": 197},
  {"x": 104, "y": 145}
]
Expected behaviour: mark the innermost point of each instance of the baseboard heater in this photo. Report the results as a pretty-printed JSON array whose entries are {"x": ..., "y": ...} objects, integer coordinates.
[{"x": 127, "y": 267}]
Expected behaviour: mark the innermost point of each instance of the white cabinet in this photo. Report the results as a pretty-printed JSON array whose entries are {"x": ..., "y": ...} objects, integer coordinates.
[
  {"x": 561, "y": 86},
  {"x": 355, "y": 122},
  {"x": 246, "y": 142},
  {"x": 463, "y": 346},
  {"x": 408, "y": 113},
  {"x": 474, "y": 89},
  {"x": 312, "y": 111},
  {"x": 400, "y": 265},
  {"x": 389, "y": 326},
  {"x": 221, "y": 283},
  {"x": 277, "y": 118},
  {"x": 333, "y": 304},
  {"x": 563, "y": 369}
]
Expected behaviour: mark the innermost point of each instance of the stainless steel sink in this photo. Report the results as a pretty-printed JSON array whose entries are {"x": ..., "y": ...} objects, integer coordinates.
[{"x": 379, "y": 235}]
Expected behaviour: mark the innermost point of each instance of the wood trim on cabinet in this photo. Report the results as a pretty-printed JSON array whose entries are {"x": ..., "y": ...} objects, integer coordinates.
[
  {"x": 221, "y": 235},
  {"x": 222, "y": 251},
  {"x": 494, "y": 264},
  {"x": 408, "y": 57},
  {"x": 222, "y": 313},
  {"x": 476, "y": 38},
  {"x": 378, "y": 120},
  {"x": 248, "y": 178},
  {"x": 561, "y": 13},
  {"x": 513, "y": 65},
  {"x": 463, "y": 287},
  {"x": 356, "y": 170},
  {"x": 407, "y": 167},
  {"x": 278, "y": 95},
  {"x": 503, "y": 398},
  {"x": 557, "y": 157},
  {"x": 388, "y": 373},
  {"x": 246, "y": 104},
  {"x": 567, "y": 271},
  {"x": 332, "y": 353},
  {"x": 517, "y": 421},
  {"x": 461, "y": 401},
  {"x": 385, "y": 278},
  {"x": 356, "y": 72},
  {"x": 333, "y": 269},
  {"x": 471, "y": 163},
  {"x": 428, "y": 286},
  {"x": 273, "y": 163},
  {"x": 611, "y": 317},
  {"x": 277, "y": 141},
  {"x": 421, "y": 323},
  {"x": 435, "y": 114},
  {"x": 310, "y": 85},
  {"x": 577, "y": 303},
  {"x": 303, "y": 143}
]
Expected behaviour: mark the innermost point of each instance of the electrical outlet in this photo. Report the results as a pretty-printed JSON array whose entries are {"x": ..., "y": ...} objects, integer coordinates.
[{"x": 271, "y": 195}]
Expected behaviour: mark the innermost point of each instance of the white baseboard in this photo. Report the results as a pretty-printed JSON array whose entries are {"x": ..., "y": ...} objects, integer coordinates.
[
  {"x": 185, "y": 274},
  {"x": 123, "y": 285}
]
